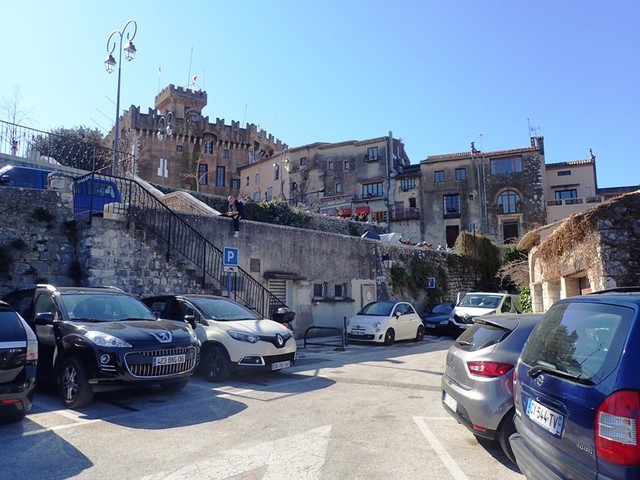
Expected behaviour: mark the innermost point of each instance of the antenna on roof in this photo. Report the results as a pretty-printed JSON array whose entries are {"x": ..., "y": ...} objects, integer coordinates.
[
  {"x": 244, "y": 115},
  {"x": 533, "y": 131}
]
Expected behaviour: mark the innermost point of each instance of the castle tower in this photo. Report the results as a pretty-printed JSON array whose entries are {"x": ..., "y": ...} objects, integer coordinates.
[{"x": 179, "y": 100}]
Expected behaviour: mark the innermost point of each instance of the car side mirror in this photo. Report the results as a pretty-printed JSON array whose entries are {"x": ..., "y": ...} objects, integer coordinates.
[
  {"x": 397, "y": 314},
  {"x": 191, "y": 320},
  {"x": 4, "y": 179},
  {"x": 45, "y": 318}
]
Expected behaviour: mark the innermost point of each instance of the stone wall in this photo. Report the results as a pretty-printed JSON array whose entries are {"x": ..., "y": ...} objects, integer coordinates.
[{"x": 62, "y": 251}]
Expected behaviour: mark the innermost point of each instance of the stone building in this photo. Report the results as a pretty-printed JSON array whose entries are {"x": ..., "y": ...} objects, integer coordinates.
[
  {"x": 589, "y": 251},
  {"x": 347, "y": 179},
  {"x": 498, "y": 194},
  {"x": 192, "y": 152}
]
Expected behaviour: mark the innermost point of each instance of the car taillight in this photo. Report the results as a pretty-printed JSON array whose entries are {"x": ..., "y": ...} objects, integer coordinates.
[
  {"x": 488, "y": 369},
  {"x": 32, "y": 350},
  {"x": 616, "y": 432}
]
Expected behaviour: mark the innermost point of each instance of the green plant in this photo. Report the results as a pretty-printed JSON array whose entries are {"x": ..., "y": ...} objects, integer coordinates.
[
  {"x": 6, "y": 260},
  {"x": 43, "y": 215},
  {"x": 411, "y": 276},
  {"x": 18, "y": 244},
  {"x": 525, "y": 300},
  {"x": 75, "y": 271},
  {"x": 481, "y": 257},
  {"x": 70, "y": 229}
]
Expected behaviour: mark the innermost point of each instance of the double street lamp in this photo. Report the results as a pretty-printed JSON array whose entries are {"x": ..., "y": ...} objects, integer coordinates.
[
  {"x": 110, "y": 64},
  {"x": 164, "y": 131}
]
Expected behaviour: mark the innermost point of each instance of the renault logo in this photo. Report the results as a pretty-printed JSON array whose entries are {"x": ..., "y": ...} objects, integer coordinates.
[
  {"x": 539, "y": 380},
  {"x": 279, "y": 340}
]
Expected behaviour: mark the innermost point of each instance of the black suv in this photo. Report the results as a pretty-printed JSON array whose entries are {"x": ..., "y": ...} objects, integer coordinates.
[
  {"x": 90, "y": 339},
  {"x": 18, "y": 359}
]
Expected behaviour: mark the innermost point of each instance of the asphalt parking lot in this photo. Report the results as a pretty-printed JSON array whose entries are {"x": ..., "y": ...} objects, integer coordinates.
[{"x": 368, "y": 412}]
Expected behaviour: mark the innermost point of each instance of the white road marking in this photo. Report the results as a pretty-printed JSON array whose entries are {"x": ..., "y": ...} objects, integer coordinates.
[
  {"x": 455, "y": 471},
  {"x": 278, "y": 459}
]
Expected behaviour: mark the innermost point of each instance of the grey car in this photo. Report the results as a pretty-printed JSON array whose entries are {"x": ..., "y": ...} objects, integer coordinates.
[{"x": 477, "y": 385}]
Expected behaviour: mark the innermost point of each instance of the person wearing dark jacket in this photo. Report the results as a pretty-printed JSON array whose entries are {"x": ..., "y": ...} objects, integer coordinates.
[{"x": 235, "y": 211}]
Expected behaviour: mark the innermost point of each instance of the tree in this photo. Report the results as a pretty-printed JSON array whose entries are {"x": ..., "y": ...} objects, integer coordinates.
[
  {"x": 79, "y": 147},
  {"x": 15, "y": 115}
]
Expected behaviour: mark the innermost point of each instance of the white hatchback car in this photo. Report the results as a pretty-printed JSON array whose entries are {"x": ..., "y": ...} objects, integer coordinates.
[
  {"x": 233, "y": 337},
  {"x": 385, "y": 322}
]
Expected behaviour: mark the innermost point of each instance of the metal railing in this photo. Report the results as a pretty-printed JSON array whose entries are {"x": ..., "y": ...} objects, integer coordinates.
[
  {"x": 128, "y": 200},
  {"x": 53, "y": 149}
]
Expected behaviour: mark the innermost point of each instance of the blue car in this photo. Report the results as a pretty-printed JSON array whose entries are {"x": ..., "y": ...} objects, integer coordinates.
[{"x": 577, "y": 390}]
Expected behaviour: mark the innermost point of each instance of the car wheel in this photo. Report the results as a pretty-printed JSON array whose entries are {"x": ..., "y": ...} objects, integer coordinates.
[
  {"x": 505, "y": 430},
  {"x": 420, "y": 333},
  {"x": 174, "y": 386},
  {"x": 215, "y": 364},
  {"x": 389, "y": 337},
  {"x": 74, "y": 385}
]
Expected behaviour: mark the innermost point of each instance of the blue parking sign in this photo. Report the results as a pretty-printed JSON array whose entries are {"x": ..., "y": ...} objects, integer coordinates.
[
  {"x": 230, "y": 256},
  {"x": 431, "y": 282}
]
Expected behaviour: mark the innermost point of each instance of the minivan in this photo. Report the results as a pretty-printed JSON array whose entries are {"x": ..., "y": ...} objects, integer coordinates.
[{"x": 577, "y": 390}]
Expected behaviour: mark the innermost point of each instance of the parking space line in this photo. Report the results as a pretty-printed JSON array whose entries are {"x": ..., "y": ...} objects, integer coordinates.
[{"x": 455, "y": 471}]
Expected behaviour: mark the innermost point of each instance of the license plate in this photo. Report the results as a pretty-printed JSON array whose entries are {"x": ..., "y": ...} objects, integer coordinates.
[
  {"x": 280, "y": 365},
  {"x": 428, "y": 325},
  {"x": 449, "y": 401},
  {"x": 168, "y": 360},
  {"x": 545, "y": 417},
  {"x": 358, "y": 332}
]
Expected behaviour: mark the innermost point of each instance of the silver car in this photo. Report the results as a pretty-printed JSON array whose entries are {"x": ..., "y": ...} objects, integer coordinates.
[{"x": 477, "y": 385}]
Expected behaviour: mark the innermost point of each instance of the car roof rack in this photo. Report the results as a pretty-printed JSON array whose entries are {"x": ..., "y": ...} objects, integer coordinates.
[{"x": 635, "y": 289}]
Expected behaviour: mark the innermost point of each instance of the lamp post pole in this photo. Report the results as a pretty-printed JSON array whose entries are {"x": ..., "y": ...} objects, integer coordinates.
[
  {"x": 110, "y": 64},
  {"x": 164, "y": 131}
]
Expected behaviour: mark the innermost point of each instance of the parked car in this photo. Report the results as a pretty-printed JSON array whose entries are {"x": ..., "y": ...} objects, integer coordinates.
[
  {"x": 477, "y": 384},
  {"x": 91, "y": 193},
  {"x": 436, "y": 320},
  {"x": 25, "y": 177},
  {"x": 90, "y": 339},
  {"x": 577, "y": 390},
  {"x": 234, "y": 338},
  {"x": 386, "y": 321},
  {"x": 477, "y": 304},
  {"x": 18, "y": 362}
]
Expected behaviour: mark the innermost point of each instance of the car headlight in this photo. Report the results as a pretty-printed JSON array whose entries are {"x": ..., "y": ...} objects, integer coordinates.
[
  {"x": 105, "y": 340},
  {"x": 243, "y": 336},
  {"x": 377, "y": 325}
]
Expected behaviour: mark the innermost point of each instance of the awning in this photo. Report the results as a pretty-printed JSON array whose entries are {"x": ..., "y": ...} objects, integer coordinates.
[
  {"x": 344, "y": 212},
  {"x": 361, "y": 210}
]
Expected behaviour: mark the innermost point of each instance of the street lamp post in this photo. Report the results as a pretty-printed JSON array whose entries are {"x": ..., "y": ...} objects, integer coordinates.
[
  {"x": 110, "y": 64},
  {"x": 164, "y": 131}
]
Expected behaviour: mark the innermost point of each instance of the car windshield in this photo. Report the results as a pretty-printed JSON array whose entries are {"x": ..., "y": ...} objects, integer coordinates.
[
  {"x": 442, "y": 308},
  {"x": 379, "y": 309},
  {"x": 579, "y": 340},
  {"x": 480, "y": 300},
  {"x": 103, "y": 307},
  {"x": 224, "y": 310}
]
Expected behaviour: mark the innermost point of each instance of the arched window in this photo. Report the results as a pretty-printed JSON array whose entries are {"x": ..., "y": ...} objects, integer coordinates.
[{"x": 509, "y": 202}]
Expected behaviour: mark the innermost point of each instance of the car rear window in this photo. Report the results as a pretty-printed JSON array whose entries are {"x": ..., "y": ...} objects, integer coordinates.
[
  {"x": 479, "y": 336},
  {"x": 10, "y": 326},
  {"x": 581, "y": 340}
]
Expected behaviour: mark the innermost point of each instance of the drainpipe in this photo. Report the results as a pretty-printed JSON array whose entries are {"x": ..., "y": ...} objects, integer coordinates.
[{"x": 390, "y": 198}]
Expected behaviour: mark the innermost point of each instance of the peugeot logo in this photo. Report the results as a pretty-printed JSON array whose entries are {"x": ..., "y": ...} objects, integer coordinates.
[
  {"x": 279, "y": 340},
  {"x": 539, "y": 380},
  {"x": 162, "y": 337}
]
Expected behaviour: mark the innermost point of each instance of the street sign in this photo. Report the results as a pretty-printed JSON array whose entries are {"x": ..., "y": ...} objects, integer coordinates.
[
  {"x": 431, "y": 282},
  {"x": 229, "y": 268},
  {"x": 230, "y": 256}
]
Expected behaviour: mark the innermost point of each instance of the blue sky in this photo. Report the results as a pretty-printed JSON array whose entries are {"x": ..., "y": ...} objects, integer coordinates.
[{"x": 438, "y": 74}]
